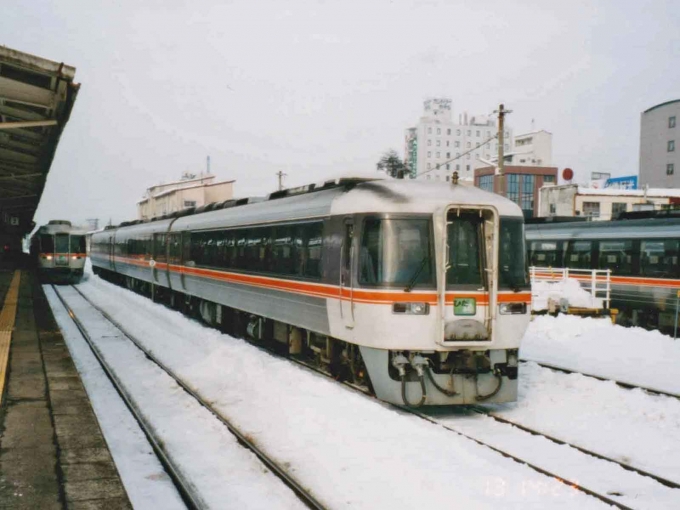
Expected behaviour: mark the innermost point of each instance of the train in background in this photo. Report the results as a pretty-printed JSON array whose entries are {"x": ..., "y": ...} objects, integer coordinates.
[
  {"x": 417, "y": 291},
  {"x": 59, "y": 252},
  {"x": 640, "y": 249}
]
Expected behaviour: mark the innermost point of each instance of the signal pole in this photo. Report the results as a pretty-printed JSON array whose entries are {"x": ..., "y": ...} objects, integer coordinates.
[{"x": 281, "y": 175}]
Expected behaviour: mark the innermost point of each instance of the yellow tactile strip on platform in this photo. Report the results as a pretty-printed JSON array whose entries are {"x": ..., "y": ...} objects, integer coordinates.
[{"x": 7, "y": 317}]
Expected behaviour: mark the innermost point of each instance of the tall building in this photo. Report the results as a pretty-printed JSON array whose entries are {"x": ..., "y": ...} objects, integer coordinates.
[
  {"x": 660, "y": 146},
  {"x": 437, "y": 145},
  {"x": 530, "y": 149},
  {"x": 190, "y": 191}
]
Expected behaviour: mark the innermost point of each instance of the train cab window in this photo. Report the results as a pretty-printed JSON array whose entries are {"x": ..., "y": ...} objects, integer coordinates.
[
  {"x": 464, "y": 235},
  {"x": 617, "y": 256},
  {"x": 579, "y": 254},
  {"x": 512, "y": 261},
  {"x": 396, "y": 253},
  {"x": 659, "y": 258},
  {"x": 545, "y": 253},
  {"x": 78, "y": 244},
  {"x": 61, "y": 244},
  {"x": 46, "y": 244}
]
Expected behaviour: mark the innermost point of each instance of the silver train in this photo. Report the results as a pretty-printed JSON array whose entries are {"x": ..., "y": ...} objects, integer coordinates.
[
  {"x": 641, "y": 253},
  {"x": 418, "y": 291},
  {"x": 59, "y": 252}
]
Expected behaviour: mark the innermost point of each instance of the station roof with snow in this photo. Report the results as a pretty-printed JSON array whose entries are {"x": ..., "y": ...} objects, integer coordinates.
[{"x": 36, "y": 99}]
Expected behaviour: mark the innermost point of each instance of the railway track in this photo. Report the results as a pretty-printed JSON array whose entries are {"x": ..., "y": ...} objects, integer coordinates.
[
  {"x": 185, "y": 488},
  {"x": 626, "y": 385},
  {"x": 607, "y": 496}
]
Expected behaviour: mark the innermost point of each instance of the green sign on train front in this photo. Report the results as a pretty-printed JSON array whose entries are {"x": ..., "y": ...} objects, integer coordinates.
[{"x": 464, "y": 306}]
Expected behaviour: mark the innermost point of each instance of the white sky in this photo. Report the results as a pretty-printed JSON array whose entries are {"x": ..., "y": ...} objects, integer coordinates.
[{"x": 318, "y": 88}]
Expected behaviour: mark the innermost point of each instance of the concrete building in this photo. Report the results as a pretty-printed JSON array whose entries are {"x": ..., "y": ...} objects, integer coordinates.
[
  {"x": 438, "y": 146},
  {"x": 189, "y": 191},
  {"x": 660, "y": 146},
  {"x": 530, "y": 149},
  {"x": 520, "y": 184},
  {"x": 602, "y": 204}
]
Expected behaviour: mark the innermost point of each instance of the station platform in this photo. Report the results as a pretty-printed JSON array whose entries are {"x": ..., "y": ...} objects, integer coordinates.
[{"x": 52, "y": 452}]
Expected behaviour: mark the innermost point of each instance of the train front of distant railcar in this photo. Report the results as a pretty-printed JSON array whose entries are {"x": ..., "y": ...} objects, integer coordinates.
[
  {"x": 60, "y": 253},
  {"x": 458, "y": 301}
]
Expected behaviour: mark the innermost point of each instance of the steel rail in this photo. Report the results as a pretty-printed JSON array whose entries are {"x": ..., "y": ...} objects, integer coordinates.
[
  {"x": 302, "y": 492},
  {"x": 185, "y": 489},
  {"x": 628, "y": 386}
]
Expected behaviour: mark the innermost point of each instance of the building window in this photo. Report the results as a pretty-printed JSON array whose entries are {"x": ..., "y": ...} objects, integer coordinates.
[
  {"x": 448, "y": 143},
  {"x": 670, "y": 169},
  {"x": 618, "y": 208},
  {"x": 469, "y": 132},
  {"x": 438, "y": 154},
  {"x": 448, "y": 155},
  {"x": 429, "y": 154},
  {"x": 671, "y": 145},
  {"x": 439, "y": 143},
  {"x": 457, "y": 154},
  {"x": 488, "y": 134},
  {"x": 513, "y": 187},
  {"x": 447, "y": 178},
  {"x": 671, "y": 121},
  {"x": 458, "y": 132},
  {"x": 548, "y": 178},
  {"x": 468, "y": 156},
  {"x": 190, "y": 203},
  {"x": 448, "y": 167},
  {"x": 478, "y": 133},
  {"x": 553, "y": 209},
  {"x": 429, "y": 165},
  {"x": 429, "y": 143},
  {"x": 457, "y": 144},
  {"x": 467, "y": 167},
  {"x": 486, "y": 182},
  {"x": 591, "y": 209},
  {"x": 468, "y": 145},
  {"x": 448, "y": 131},
  {"x": 439, "y": 131},
  {"x": 429, "y": 131},
  {"x": 527, "y": 202}
]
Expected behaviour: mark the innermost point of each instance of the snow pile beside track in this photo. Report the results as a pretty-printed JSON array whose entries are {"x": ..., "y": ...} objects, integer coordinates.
[
  {"x": 598, "y": 347},
  {"x": 570, "y": 289}
]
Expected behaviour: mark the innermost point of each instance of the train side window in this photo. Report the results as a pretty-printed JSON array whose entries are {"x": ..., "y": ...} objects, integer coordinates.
[
  {"x": 313, "y": 249},
  {"x": 617, "y": 256},
  {"x": 545, "y": 254},
  {"x": 159, "y": 247},
  {"x": 282, "y": 250},
  {"x": 229, "y": 249},
  {"x": 659, "y": 258},
  {"x": 579, "y": 255},
  {"x": 174, "y": 248}
]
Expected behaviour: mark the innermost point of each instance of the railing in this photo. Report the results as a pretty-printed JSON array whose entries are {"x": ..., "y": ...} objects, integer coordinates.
[{"x": 597, "y": 282}]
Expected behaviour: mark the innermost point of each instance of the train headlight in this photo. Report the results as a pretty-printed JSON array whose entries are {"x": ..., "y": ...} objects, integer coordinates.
[
  {"x": 411, "y": 308},
  {"x": 48, "y": 257},
  {"x": 513, "y": 308}
]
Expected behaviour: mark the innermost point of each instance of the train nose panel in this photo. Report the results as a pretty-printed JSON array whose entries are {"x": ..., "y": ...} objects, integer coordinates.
[{"x": 465, "y": 329}]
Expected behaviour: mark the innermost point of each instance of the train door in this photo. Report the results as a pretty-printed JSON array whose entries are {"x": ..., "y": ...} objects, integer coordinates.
[
  {"x": 112, "y": 264},
  {"x": 174, "y": 259},
  {"x": 347, "y": 265}
]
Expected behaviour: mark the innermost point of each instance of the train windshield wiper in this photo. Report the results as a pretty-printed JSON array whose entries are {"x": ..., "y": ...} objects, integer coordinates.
[{"x": 412, "y": 281}]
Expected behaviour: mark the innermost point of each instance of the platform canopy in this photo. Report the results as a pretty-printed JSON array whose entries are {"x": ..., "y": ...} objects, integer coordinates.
[{"x": 36, "y": 99}]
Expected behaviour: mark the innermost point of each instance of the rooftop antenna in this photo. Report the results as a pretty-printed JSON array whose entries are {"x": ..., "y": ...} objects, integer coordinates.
[{"x": 281, "y": 175}]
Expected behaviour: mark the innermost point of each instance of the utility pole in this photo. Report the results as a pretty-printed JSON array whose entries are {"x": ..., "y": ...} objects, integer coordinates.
[
  {"x": 208, "y": 165},
  {"x": 281, "y": 175},
  {"x": 501, "y": 137}
]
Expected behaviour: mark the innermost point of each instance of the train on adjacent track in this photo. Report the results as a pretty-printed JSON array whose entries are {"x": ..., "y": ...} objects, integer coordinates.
[
  {"x": 641, "y": 253},
  {"x": 58, "y": 250},
  {"x": 418, "y": 291}
]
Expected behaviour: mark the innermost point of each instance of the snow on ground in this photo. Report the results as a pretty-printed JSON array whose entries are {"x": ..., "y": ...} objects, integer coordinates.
[
  {"x": 350, "y": 450},
  {"x": 598, "y": 347},
  {"x": 600, "y": 476},
  {"x": 630, "y": 426},
  {"x": 210, "y": 457},
  {"x": 569, "y": 290},
  {"x": 145, "y": 480}
]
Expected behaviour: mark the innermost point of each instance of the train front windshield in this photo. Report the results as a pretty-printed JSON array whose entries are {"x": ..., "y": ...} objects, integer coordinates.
[
  {"x": 77, "y": 244},
  {"x": 396, "y": 252},
  {"x": 512, "y": 270},
  {"x": 61, "y": 243}
]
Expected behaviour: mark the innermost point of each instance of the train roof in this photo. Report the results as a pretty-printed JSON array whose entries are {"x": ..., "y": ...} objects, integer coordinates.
[
  {"x": 62, "y": 227},
  {"x": 336, "y": 197},
  {"x": 647, "y": 228}
]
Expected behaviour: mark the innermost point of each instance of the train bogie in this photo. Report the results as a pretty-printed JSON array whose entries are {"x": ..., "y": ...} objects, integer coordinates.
[{"x": 416, "y": 291}]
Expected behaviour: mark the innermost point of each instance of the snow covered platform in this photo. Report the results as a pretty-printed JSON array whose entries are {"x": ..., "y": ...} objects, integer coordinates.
[{"x": 53, "y": 453}]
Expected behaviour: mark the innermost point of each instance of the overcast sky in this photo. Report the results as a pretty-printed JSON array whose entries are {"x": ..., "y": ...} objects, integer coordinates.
[{"x": 319, "y": 88}]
